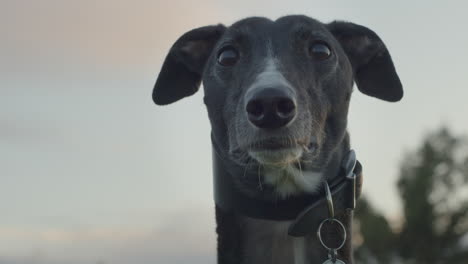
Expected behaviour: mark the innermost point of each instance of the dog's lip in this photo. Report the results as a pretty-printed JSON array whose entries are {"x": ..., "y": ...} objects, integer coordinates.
[{"x": 275, "y": 144}]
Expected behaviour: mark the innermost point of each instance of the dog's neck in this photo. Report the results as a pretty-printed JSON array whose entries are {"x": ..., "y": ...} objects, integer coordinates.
[
  {"x": 244, "y": 239},
  {"x": 254, "y": 241}
]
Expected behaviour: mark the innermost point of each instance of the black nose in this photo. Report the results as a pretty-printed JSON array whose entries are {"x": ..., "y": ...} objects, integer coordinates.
[{"x": 270, "y": 108}]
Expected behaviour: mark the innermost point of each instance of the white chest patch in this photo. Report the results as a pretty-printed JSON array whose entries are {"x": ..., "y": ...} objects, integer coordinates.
[{"x": 290, "y": 180}]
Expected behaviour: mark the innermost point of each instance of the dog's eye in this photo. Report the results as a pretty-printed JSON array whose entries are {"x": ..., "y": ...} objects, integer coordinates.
[
  {"x": 228, "y": 56},
  {"x": 319, "y": 51}
]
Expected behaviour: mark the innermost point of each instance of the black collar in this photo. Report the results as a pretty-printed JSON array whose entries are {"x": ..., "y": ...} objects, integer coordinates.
[{"x": 302, "y": 209}]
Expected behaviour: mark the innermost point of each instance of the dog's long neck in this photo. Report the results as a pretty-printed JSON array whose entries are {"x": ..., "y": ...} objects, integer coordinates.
[{"x": 248, "y": 240}]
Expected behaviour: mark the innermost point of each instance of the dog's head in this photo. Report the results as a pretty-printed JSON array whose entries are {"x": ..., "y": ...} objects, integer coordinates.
[{"x": 277, "y": 92}]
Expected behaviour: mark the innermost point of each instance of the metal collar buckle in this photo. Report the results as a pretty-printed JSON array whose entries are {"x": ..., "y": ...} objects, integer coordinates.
[{"x": 348, "y": 165}]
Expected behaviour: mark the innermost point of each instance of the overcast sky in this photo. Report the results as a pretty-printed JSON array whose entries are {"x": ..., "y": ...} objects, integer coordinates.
[{"x": 91, "y": 171}]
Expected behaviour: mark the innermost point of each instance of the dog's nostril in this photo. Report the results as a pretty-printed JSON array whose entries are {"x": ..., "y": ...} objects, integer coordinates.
[
  {"x": 270, "y": 108},
  {"x": 285, "y": 107},
  {"x": 255, "y": 109}
]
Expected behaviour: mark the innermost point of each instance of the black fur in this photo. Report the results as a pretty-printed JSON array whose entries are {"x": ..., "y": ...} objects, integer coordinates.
[
  {"x": 373, "y": 68},
  {"x": 181, "y": 73}
]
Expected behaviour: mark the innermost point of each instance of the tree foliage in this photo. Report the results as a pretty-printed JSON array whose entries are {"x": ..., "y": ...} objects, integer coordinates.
[{"x": 433, "y": 186}]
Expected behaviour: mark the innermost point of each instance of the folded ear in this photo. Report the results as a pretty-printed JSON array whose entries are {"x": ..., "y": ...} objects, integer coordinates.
[
  {"x": 373, "y": 68},
  {"x": 182, "y": 70}
]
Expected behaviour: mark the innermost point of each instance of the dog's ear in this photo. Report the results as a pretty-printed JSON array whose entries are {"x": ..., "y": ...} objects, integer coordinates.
[
  {"x": 182, "y": 70},
  {"x": 373, "y": 67}
]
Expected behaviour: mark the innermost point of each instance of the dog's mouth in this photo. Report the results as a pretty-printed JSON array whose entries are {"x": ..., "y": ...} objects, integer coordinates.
[
  {"x": 273, "y": 144},
  {"x": 279, "y": 151}
]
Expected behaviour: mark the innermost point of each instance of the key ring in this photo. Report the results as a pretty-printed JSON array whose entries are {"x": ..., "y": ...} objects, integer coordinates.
[
  {"x": 319, "y": 235},
  {"x": 332, "y": 252},
  {"x": 331, "y": 218}
]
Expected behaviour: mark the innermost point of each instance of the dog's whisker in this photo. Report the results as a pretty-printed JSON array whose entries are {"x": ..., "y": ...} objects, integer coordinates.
[
  {"x": 300, "y": 168},
  {"x": 259, "y": 179},
  {"x": 245, "y": 169}
]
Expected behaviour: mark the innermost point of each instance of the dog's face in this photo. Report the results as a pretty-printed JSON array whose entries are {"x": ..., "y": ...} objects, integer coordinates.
[
  {"x": 277, "y": 92},
  {"x": 280, "y": 82}
]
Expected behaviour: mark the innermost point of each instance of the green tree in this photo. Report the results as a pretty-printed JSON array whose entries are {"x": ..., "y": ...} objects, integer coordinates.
[
  {"x": 376, "y": 242},
  {"x": 433, "y": 186}
]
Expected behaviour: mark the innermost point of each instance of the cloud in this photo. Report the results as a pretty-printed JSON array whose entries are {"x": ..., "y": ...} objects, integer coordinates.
[{"x": 97, "y": 32}]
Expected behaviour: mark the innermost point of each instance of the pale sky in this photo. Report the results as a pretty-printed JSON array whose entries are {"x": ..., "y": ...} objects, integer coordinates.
[{"x": 91, "y": 171}]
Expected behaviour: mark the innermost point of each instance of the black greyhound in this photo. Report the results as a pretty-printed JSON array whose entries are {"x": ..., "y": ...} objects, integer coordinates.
[{"x": 277, "y": 94}]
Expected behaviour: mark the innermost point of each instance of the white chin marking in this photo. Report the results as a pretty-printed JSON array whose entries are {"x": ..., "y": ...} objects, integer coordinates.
[
  {"x": 279, "y": 170},
  {"x": 280, "y": 157}
]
